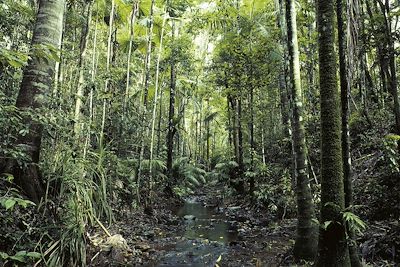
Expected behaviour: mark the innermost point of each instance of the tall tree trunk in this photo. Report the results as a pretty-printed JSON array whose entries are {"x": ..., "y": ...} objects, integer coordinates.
[
  {"x": 38, "y": 78},
  {"x": 109, "y": 55},
  {"x": 159, "y": 123},
  {"x": 240, "y": 184},
  {"x": 146, "y": 83},
  {"x": 153, "y": 120},
  {"x": 229, "y": 124},
  {"x": 207, "y": 124},
  {"x": 392, "y": 68},
  {"x": 81, "y": 66},
  {"x": 279, "y": 5},
  {"x": 285, "y": 94},
  {"x": 171, "y": 117},
  {"x": 135, "y": 10},
  {"x": 93, "y": 77},
  {"x": 148, "y": 53},
  {"x": 305, "y": 247},
  {"x": 251, "y": 103},
  {"x": 232, "y": 102},
  {"x": 333, "y": 249},
  {"x": 346, "y": 157}
]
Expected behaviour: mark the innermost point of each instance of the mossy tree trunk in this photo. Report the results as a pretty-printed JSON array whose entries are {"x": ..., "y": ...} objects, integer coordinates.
[
  {"x": 38, "y": 78},
  {"x": 333, "y": 249},
  {"x": 306, "y": 241}
]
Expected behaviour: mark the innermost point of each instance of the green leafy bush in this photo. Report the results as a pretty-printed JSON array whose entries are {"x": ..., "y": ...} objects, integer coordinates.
[
  {"x": 18, "y": 224},
  {"x": 188, "y": 175}
]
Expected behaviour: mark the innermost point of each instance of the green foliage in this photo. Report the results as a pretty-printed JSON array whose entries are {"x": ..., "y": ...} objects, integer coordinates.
[
  {"x": 223, "y": 170},
  {"x": 390, "y": 145},
  {"x": 188, "y": 175},
  {"x": 9, "y": 203},
  {"x": 13, "y": 58},
  {"x": 354, "y": 222},
  {"x": 274, "y": 191},
  {"x": 18, "y": 224},
  {"x": 19, "y": 257}
]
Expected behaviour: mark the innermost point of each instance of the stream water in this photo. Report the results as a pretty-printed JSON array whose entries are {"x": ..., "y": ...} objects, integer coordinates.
[{"x": 207, "y": 235}]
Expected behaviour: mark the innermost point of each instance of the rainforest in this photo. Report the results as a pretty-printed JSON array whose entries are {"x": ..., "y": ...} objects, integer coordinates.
[{"x": 179, "y": 133}]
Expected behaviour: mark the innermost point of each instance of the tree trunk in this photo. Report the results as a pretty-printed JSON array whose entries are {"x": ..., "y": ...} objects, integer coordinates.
[
  {"x": 232, "y": 102},
  {"x": 38, "y": 78},
  {"x": 109, "y": 55},
  {"x": 283, "y": 71},
  {"x": 81, "y": 66},
  {"x": 148, "y": 54},
  {"x": 229, "y": 123},
  {"x": 333, "y": 249},
  {"x": 305, "y": 247},
  {"x": 135, "y": 10},
  {"x": 93, "y": 76},
  {"x": 346, "y": 157},
  {"x": 159, "y": 123},
  {"x": 240, "y": 172},
  {"x": 153, "y": 121},
  {"x": 171, "y": 116},
  {"x": 393, "y": 76}
]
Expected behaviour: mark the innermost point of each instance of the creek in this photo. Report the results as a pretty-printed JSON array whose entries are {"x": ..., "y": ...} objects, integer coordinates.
[{"x": 207, "y": 235}]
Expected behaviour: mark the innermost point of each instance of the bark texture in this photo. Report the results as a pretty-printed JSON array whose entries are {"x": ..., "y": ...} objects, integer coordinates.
[
  {"x": 333, "y": 249},
  {"x": 306, "y": 241},
  {"x": 38, "y": 78}
]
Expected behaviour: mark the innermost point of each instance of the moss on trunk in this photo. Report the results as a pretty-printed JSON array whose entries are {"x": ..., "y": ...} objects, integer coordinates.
[
  {"x": 306, "y": 241},
  {"x": 333, "y": 249}
]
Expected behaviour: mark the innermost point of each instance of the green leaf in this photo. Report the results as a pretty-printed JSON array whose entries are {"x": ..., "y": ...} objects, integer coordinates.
[
  {"x": 35, "y": 255},
  {"x": 4, "y": 255},
  {"x": 9, "y": 203},
  {"x": 19, "y": 256},
  {"x": 25, "y": 203},
  {"x": 354, "y": 221},
  {"x": 15, "y": 64}
]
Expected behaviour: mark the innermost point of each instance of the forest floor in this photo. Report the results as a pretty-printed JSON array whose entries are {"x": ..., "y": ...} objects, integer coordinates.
[{"x": 203, "y": 230}]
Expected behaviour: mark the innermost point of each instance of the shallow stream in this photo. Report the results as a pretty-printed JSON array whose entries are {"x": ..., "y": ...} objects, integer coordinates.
[{"x": 205, "y": 238}]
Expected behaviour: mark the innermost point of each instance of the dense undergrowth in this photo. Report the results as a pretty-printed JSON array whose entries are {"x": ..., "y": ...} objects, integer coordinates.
[{"x": 82, "y": 192}]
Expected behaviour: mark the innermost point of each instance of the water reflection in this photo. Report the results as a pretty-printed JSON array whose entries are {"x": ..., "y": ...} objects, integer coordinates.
[
  {"x": 208, "y": 223},
  {"x": 204, "y": 240}
]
